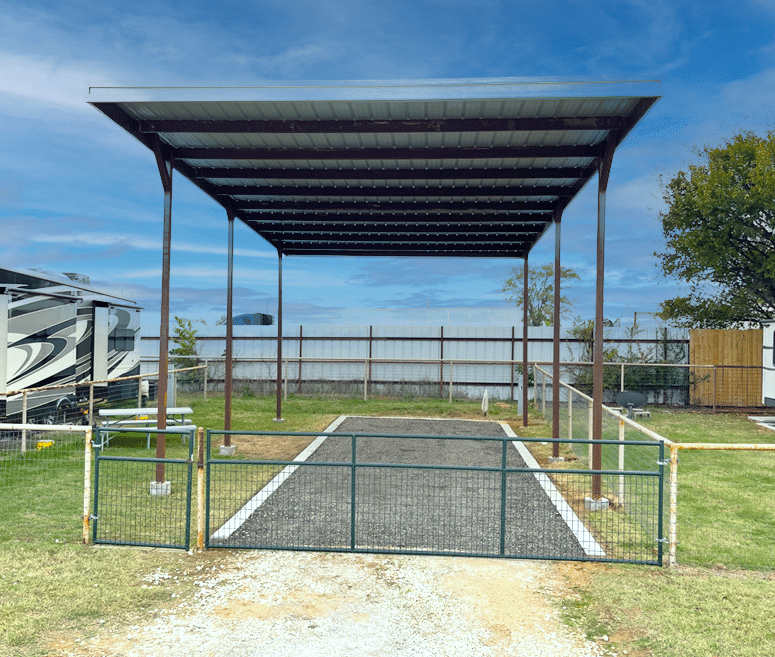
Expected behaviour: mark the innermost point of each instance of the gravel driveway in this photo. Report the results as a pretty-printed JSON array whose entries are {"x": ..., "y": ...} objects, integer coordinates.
[{"x": 312, "y": 604}]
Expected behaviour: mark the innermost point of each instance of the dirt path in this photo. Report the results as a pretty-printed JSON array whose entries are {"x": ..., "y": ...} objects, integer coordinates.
[{"x": 278, "y": 604}]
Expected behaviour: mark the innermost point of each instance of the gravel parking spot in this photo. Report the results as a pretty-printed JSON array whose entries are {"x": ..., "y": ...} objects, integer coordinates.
[{"x": 408, "y": 509}]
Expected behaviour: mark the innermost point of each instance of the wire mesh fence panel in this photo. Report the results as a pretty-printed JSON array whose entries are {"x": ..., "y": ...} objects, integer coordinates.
[
  {"x": 726, "y": 508},
  {"x": 41, "y": 484},
  {"x": 141, "y": 500},
  {"x": 439, "y": 495}
]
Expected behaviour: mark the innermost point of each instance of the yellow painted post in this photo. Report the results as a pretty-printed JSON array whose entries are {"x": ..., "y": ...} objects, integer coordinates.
[
  {"x": 87, "y": 486},
  {"x": 673, "y": 521},
  {"x": 200, "y": 490}
]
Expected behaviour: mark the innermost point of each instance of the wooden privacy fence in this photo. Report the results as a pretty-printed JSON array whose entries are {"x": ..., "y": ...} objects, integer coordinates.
[{"x": 736, "y": 379}]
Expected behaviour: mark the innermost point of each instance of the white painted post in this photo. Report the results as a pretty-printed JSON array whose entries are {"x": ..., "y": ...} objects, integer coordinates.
[
  {"x": 673, "y": 522},
  {"x": 285, "y": 382},
  {"x": 91, "y": 404},
  {"x": 590, "y": 430},
  {"x": 621, "y": 385},
  {"x": 451, "y": 364},
  {"x": 139, "y": 391},
  {"x": 621, "y": 461},
  {"x": 205, "y": 379},
  {"x": 365, "y": 380},
  {"x": 24, "y": 421}
]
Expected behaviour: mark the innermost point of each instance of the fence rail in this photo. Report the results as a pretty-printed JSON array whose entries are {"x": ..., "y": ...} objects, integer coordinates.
[{"x": 576, "y": 417}]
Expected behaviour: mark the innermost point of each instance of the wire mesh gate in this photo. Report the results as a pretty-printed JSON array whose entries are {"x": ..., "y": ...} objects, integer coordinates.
[
  {"x": 444, "y": 495},
  {"x": 140, "y": 500}
]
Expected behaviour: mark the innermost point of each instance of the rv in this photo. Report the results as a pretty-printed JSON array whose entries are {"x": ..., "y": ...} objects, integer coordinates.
[{"x": 56, "y": 330}]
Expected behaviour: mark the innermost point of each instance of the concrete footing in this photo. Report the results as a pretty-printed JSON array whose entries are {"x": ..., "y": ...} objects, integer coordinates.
[
  {"x": 556, "y": 459},
  {"x": 591, "y": 504},
  {"x": 231, "y": 450},
  {"x": 161, "y": 488}
]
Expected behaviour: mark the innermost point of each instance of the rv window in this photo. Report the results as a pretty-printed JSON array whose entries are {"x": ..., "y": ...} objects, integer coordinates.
[{"x": 121, "y": 340}]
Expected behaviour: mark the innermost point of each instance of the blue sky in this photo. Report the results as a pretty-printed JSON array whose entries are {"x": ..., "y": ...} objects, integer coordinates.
[{"x": 78, "y": 194}]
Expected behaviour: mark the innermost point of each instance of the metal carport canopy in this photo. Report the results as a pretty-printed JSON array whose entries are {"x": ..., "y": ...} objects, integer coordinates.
[{"x": 464, "y": 168}]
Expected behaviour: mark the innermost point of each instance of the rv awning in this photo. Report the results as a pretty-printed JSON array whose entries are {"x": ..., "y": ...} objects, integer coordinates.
[{"x": 433, "y": 168}]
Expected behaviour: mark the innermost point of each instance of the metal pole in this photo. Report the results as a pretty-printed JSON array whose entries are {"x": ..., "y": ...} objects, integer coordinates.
[
  {"x": 441, "y": 364},
  {"x": 166, "y": 167},
  {"x": 451, "y": 365},
  {"x": 556, "y": 342},
  {"x": 570, "y": 414},
  {"x": 524, "y": 344},
  {"x": 621, "y": 379},
  {"x": 207, "y": 367},
  {"x": 604, "y": 169},
  {"x": 139, "y": 393},
  {"x": 279, "y": 417},
  {"x": 91, "y": 404},
  {"x": 366, "y": 380},
  {"x": 228, "y": 375},
  {"x": 621, "y": 461}
]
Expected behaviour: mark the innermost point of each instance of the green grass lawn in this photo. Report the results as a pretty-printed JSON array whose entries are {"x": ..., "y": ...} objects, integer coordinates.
[{"x": 53, "y": 589}]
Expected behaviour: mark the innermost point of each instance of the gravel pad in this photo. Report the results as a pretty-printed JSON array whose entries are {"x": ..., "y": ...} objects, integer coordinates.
[{"x": 410, "y": 509}]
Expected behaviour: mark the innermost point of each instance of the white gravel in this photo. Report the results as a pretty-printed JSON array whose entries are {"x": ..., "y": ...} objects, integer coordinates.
[{"x": 299, "y": 604}]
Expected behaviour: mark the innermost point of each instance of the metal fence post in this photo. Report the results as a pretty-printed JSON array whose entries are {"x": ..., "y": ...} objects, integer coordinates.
[
  {"x": 87, "y": 486},
  {"x": 543, "y": 393},
  {"x": 205, "y": 380},
  {"x": 366, "y": 380},
  {"x": 570, "y": 414},
  {"x": 91, "y": 404},
  {"x": 139, "y": 393},
  {"x": 451, "y": 364},
  {"x": 621, "y": 385}
]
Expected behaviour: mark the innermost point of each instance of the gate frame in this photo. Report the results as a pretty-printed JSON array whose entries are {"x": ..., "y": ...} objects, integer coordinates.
[
  {"x": 353, "y": 464},
  {"x": 97, "y": 445}
]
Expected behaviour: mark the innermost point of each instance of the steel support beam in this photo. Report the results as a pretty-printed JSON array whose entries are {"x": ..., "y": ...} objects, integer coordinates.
[
  {"x": 166, "y": 166},
  {"x": 227, "y": 381},
  {"x": 524, "y": 344},
  {"x": 556, "y": 342},
  {"x": 604, "y": 171},
  {"x": 279, "y": 417}
]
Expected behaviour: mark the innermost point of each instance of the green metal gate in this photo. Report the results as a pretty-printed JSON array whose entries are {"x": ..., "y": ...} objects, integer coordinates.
[
  {"x": 445, "y": 495},
  {"x": 130, "y": 507}
]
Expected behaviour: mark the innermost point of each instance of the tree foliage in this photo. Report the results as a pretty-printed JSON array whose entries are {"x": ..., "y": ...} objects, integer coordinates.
[
  {"x": 719, "y": 229},
  {"x": 540, "y": 292}
]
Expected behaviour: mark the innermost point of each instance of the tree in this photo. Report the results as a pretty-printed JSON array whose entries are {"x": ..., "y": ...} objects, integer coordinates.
[
  {"x": 184, "y": 336},
  {"x": 540, "y": 292},
  {"x": 719, "y": 229}
]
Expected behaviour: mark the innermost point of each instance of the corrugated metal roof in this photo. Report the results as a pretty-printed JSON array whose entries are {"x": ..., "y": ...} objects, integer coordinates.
[{"x": 437, "y": 167}]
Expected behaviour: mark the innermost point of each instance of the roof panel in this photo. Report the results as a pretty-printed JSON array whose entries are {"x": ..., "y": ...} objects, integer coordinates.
[{"x": 442, "y": 151}]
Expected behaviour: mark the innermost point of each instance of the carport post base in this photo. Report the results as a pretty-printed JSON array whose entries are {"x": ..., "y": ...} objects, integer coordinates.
[
  {"x": 227, "y": 451},
  {"x": 161, "y": 488},
  {"x": 556, "y": 459},
  {"x": 278, "y": 419},
  {"x": 596, "y": 505}
]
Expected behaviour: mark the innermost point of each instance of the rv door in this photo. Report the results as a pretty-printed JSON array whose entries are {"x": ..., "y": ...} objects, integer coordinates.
[{"x": 768, "y": 363}]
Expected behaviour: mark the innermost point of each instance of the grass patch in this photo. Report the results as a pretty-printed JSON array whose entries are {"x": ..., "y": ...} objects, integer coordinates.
[{"x": 673, "y": 613}]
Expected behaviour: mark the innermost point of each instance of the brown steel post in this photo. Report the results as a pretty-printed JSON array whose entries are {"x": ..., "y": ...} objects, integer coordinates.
[
  {"x": 279, "y": 417},
  {"x": 441, "y": 364},
  {"x": 556, "y": 342},
  {"x": 604, "y": 169},
  {"x": 524, "y": 345},
  {"x": 511, "y": 396},
  {"x": 227, "y": 379},
  {"x": 301, "y": 342},
  {"x": 166, "y": 167}
]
